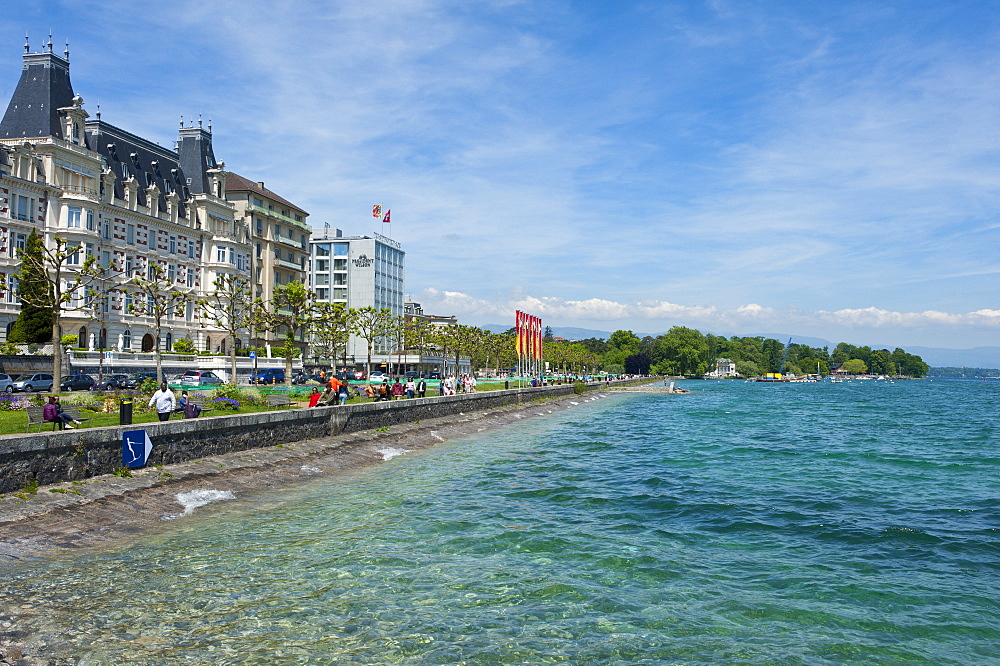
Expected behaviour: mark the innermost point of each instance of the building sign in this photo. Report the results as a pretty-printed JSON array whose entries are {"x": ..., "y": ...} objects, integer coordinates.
[
  {"x": 136, "y": 447},
  {"x": 363, "y": 261}
]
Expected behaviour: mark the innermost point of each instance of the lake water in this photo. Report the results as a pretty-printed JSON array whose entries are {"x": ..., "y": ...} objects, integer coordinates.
[{"x": 744, "y": 523}]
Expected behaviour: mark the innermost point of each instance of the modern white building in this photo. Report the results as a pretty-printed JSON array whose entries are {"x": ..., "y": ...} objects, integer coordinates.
[{"x": 358, "y": 271}]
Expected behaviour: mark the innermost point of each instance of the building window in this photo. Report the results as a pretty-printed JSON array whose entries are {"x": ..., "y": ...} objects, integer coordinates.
[
  {"x": 232, "y": 255},
  {"x": 73, "y": 217},
  {"x": 130, "y": 234},
  {"x": 173, "y": 245},
  {"x": 128, "y": 302},
  {"x": 90, "y": 220},
  {"x": 339, "y": 294},
  {"x": 190, "y": 277},
  {"x": 106, "y": 232},
  {"x": 191, "y": 249},
  {"x": 258, "y": 202},
  {"x": 152, "y": 239},
  {"x": 340, "y": 264},
  {"x": 20, "y": 243},
  {"x": 171, "y": 275},
  {"x": 322, "y": 279},
  {"x": 277, "y": 231},
  {"x": 12, "y": 289},
  {"x": 128, "y": 266},
  {"x": 322, "y": 265},
  {"x": 323, "y": 293},
  {"x": 127, "y": 339},
  {"x": 220, "y": 254},
  {"x": 322, "y": 250},
  {"x": 341, "y": 249},
  {"x": 260, "y": 250}
]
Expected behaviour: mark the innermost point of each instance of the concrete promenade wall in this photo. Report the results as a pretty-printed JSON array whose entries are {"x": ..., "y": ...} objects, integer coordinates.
[{"x": 51, "y": 457}]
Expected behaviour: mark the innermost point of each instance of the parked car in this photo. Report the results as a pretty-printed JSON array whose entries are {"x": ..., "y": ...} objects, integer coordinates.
[
  {"x": 197, "y": 377},
  {"x": 40, "y": 381},
  {"x": 110, "y": 382},
  {"x": 434, "y": 375},
  {"x": 359, "y": 375},
  {"x": 133, "y": 381},
  {"x": 6, "y": 383},
  {"x": 78, "y": 382},
  {"x": 346, "y": 376},
  {"x": 268, "y": 376},
  {"x": 377, "y": 376},
  {"x": 412, "y": 374}
]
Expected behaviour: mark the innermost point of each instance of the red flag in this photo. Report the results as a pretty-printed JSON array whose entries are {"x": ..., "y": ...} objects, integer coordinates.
[
  {"x": 377, "y": 210},
  {"x": 385, "y": 220}
]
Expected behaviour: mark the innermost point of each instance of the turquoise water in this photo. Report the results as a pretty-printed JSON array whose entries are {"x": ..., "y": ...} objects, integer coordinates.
[{"x": 742, "y": 524}]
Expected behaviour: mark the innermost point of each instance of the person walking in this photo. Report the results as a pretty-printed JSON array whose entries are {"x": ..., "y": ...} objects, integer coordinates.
[
  {"x": 164, "y": 400},
  {"x": 343, "y": 393},
  {"x": 422, "y": 388}
]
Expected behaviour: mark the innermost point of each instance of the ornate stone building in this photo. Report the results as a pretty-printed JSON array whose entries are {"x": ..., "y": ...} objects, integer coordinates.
[{"x": 126, "y": 201}]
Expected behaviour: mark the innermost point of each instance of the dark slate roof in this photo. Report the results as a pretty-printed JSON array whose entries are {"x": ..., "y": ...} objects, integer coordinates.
[
  {"x": 146, "y": 161},
  {"x": 43, "y": 89},
  {"x": 194, "y": 146},
  {"x": 237, "y": 183}
]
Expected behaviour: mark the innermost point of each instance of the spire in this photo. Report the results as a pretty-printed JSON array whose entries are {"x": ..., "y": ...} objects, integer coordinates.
[{"x": 43, "y": 89}]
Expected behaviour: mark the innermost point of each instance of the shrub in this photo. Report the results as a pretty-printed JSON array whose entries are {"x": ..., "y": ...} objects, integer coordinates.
[
  {"x": 184, "y": 345},
  {"x": 149, "y": 385},
  {"x": 69, "y": 340}
]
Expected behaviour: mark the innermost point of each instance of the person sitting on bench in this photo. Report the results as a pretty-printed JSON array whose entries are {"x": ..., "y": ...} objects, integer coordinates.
[{"x": 53, "y": 412}]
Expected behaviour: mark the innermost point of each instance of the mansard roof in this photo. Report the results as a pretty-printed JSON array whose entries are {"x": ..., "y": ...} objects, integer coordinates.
[
  {"x": 129, "y": 155},
  {"x": 237, "y": 183},
  {"x": 43, "y": 89}
]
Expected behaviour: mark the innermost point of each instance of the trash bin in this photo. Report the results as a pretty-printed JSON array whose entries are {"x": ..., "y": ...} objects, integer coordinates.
[
  {"x": 506, "y": 385},
  {"x": 125, "y": 412}
]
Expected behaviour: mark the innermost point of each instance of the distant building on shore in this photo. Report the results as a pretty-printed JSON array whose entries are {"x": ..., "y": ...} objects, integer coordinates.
[{"x": 724, "y": 368}]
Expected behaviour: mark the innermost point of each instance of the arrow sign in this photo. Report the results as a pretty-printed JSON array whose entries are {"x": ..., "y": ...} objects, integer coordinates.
[{"x": 136, "y": 447}]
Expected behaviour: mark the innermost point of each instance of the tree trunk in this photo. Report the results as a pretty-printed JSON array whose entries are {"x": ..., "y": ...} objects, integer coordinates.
[
  {"x": 56, "y": 353},
  {"x": 232, "y": 359}
]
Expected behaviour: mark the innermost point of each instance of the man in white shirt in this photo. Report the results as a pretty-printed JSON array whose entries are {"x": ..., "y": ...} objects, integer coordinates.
[{"x": 164, "y": 401}]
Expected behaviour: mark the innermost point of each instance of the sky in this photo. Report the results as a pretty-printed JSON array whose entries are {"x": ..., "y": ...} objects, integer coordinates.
[{"x": 812, "y": 168}]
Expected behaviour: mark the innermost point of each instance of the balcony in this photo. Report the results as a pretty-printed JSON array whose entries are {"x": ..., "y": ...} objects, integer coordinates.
[
  {"x": 80, "y": 192},
  {"x": 292, "y": 266},
  {"x": 278, "y": 216}
]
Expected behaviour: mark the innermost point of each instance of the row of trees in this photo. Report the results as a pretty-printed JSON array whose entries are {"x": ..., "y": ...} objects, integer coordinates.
[{"x": 687, "y": 351}]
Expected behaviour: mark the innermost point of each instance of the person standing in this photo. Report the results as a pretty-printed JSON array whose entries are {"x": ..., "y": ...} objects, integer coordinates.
[
  {"x": 164, "y": 400},
  {"x": 397, "y": 390},
  {"x": 411, "y": 388},
  {"x": 422, "y": 388},
  {"x": 343, "y": 393}
]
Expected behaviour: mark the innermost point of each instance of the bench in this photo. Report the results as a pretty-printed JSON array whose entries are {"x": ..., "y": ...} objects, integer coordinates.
[
  {"x": 35, "y": 416},
  {"x": 200, "y": 403},
  {"x": 279, "y": 401}
]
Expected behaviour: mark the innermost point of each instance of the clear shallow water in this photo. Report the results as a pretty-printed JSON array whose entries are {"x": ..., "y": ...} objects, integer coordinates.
[{"x": 746, "y": 523}]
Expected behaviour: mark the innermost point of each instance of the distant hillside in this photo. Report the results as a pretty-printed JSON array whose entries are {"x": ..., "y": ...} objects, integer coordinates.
[{"x": 964, "y": 373}]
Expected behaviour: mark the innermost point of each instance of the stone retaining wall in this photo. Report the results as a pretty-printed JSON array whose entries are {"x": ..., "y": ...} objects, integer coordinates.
[{"x": 52, "y": 457}]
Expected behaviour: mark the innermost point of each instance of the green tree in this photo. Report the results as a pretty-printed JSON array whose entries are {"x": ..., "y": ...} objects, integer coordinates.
[
  {"x": 33, "y": 323},
  {"x": 157, "y": 301},
  {"x": 73, "y": 285},
  {"x": 331, "y": 328},
  {"x": 854, "y": 366},
  {"x": 228, "y": 307},
  {"x": 291, "y": 310},
  {"x": 371, "y": 324},
  {"x": 682, "y": 350}
]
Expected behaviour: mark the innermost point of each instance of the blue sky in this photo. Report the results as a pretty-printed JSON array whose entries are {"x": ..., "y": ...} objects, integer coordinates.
[{"x": 823, "y": 169}]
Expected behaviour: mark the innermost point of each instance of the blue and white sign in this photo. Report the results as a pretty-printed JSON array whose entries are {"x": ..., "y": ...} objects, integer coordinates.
[
  {"x": 136, "y": 447},
  {"x": 252, "y": 354}
]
